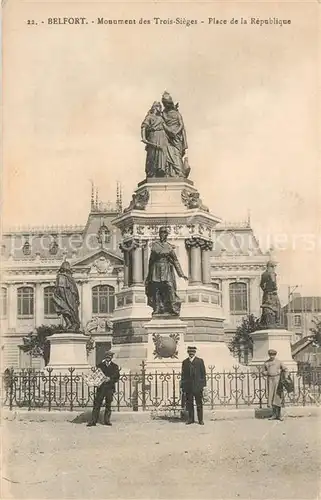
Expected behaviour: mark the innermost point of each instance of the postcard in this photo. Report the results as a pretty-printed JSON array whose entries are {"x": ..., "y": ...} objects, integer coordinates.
[{"x": 160, "y": 250}]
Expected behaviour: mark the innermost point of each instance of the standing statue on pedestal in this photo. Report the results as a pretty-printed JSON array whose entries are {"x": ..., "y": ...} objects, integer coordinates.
[
  {"x": 154, "y": 136},
  {"x": 66, "y": 298},
  {"x": 271, "y": 306},
  {"x": 164, "y": 134},
  {"x": 160, "y": 284}
]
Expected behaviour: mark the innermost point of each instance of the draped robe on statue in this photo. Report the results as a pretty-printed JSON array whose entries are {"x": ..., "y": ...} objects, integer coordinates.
[
  {"x": 156, "y": 155},
  {"x": 177, "y": 142},
  {"x": 66, "y": 299}
]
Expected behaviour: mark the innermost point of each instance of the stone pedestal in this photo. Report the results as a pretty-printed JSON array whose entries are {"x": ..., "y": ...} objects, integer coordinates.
[
  {"x": 277, "y": 339},
  {"x": 165, "y": 345},
  {"x": 176, "y": 204},
  {"x": 68, "y": 350}
]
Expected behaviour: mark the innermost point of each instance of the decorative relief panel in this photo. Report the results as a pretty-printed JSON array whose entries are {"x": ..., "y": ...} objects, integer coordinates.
[
  {"x": 102, "y": 266},
  {"x": 165, "y": 346},
  {"x": 139, "y": 201}
]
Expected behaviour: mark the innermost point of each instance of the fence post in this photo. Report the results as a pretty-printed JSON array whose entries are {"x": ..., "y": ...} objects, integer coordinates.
[
  {"x": 49, "y": 382},
  {"x": 29, "y": 388},
  {"x": 236, "y": 386},
  {"x": 133, "y": 384},
  {"x": 174, "y": 390},
  {"x": 260, "y": 387},
  {"x": 71, "y": 389},
  {"x": 305, "y": 372},
  {"x": 212, "y": 387},
  {"x": 143, "y": 386},
  {"x": 11, "y": 384}
]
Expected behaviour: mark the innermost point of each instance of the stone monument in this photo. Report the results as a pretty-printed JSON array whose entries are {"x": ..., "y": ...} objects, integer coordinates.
[
  {"x": 272, "y": 335},
  {"x": 68, "y": 348},
  {"x": 167, "y": 231}
]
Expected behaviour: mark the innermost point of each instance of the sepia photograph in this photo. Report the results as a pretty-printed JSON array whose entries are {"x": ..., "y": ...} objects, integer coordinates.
[{"x": 160, "y": 308}]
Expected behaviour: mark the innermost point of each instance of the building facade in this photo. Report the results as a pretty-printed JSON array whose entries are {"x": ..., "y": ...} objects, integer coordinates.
[
  {"x": 300, "y": 314},
  {"x": 32, "y": 256}
]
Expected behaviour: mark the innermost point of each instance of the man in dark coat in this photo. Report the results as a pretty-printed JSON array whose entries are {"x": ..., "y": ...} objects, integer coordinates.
[
  {"x": 106, "y": 390},
  {"x": 193, "y": 381}
]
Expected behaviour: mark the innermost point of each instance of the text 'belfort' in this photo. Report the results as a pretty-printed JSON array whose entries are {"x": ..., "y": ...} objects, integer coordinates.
[{"x": 158, "y": 21}]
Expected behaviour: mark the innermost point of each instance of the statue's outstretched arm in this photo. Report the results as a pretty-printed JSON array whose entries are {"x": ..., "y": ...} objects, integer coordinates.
[{"x": 177, "y": 265}]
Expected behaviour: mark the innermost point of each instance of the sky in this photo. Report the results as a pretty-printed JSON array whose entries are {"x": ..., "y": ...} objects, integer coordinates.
[{"x": 74, "y": 97}]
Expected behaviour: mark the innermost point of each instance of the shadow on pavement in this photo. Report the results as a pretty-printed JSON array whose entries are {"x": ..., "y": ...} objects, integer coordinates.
[{"x": 82, "y": 418}]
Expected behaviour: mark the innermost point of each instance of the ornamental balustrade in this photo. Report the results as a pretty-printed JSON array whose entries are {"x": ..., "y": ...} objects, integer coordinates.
[{"x": 145, "y": 390}]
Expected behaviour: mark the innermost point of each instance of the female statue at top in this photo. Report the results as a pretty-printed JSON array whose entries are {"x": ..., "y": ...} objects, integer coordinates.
[
  {"x": 164, "y": 134},
  {"x": 154, "y": 136}
]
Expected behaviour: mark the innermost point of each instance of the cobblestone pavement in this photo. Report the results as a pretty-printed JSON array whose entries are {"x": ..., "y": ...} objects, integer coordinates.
[{"x": 255, "y": 459}]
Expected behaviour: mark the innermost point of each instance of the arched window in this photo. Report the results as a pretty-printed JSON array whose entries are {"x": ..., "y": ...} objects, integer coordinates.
[
  {"x": 238, "y": 298},
  {"x": 26, "y": 249},
  {"x": 53, "y": 247},
  {"x": 49, "y": 306},
  {"x": 103, "y": 234},
  {"x": 103, "y": 298},
  {"x": 3, "y": 302},
  {"x": 25, "y": 301}
]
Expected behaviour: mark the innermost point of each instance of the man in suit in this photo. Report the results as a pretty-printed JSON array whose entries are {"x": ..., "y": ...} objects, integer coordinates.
[
  {"x": 106, "y": 390},
  {"x": 193, "y": 381}
]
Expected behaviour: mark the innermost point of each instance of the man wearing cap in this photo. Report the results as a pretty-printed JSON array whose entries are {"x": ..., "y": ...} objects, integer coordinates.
[
  {"x": 105, "y": 390},
  {"x": 193, "y": 381},
  {"x": 273, "y": 368}
]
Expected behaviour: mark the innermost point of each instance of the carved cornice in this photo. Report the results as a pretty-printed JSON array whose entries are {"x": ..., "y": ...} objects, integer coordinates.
[
  {"x": 175, "y": 230},
  {"x": 236, "y": 267},
  {"x": 21, "y": 230}
]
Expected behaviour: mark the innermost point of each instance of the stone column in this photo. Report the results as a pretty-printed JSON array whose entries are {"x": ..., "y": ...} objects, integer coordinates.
[
  {"x": 39, "y": 305},
  {"x": 137, "y": 263},
  {"x": 194, "y": 244},
  {"x": 12, "y": 306},
  {"x": 126, "y": 268},
  {"x": 207, "y": 246},
  {"x": 81, "y": 298},
  {"x": 146, "y": 252},
  {"x": 125, "y": 248}
]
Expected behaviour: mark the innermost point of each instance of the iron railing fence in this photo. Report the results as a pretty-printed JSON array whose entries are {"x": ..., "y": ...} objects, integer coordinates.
[{"x": 145, "y": 390}]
